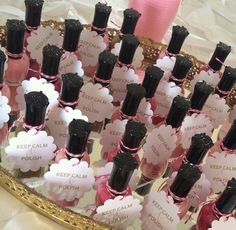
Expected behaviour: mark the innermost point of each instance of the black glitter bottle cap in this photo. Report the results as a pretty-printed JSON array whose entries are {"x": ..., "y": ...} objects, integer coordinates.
[
  {"x": 33, "y": 11},
  {"x": 130, "y": 20},
  {"x": 71, "y": 85},
  {"x": 180, "y": 70},
  {"x": 129, "y": 45},
  {"x": 226, "y": 202},
  {"x": 178, "y": 110},
  {"x": 133, "y": 135},
  {"x": 106, "y": 63},
  {"x": 2, "y": 65},
  {"x": 221, "y": 52},
  {"x": 179, "y": 33},
  {"x": 36, "y": 106},
  {"x": 199, "y": 147},
  {"x": 186, "y": 177},
  {"x": 200, "y": 94},
  {"x": 73, "y": 29},
  {"x": 153, "y": 75},
  {"x": 228, "y": 79},
  {"x": 15, "y": 36},
  {"x": 79, "y": 131},
  {"x": 123, "y": 168},
  {"x": 101, "y": 15},
  {"x": 51, "y": 60},
  {"x": 229, "y": 140},
  {"x": 135, "y": 93}
]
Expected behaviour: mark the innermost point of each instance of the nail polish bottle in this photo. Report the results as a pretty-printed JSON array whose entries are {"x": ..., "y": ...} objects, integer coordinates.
[
  {"x": 228, "y": 144},
  {"x": 179, "y": 34},
  {"x": 130, "y": 142},
  {"x": 118, "y": 183},
  {"x": 226, "y": 82},
  {"x": 223, "y": 206},
  {"x": 150, "y": 172},
  {"x": 36, "y": 106},
  {"x": 79, "y": 131},
  {"x": 18, "y": 62},
  {"x": 152, "y": 77},
  {"x": 99, "y": 24},
  {"x": 73, "y": 29},
  {"x": 200, "y": 94},
  {"x": 188, "y": 174},
  {"x": 33, "y": 11},
  {"x": 219, "y": 56},
  {"x": 70, "y": 89},
  {"x": 200, "y": 144},
  {"x": 135, "y": 93},
  {"x": 50, "y": 65},
  {"x": 130, "y": 20}
]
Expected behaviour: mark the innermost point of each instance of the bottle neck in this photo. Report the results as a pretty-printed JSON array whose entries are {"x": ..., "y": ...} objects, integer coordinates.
[
  {"x": 63, "y": 104},
  {"x": 71, "y": 155},
  {"x": 114, "y": 192},
  {"x": 15, "y": 56},
  {"x": 124, "y": 148},
  {"x": 104, "y": 83},
  {"x": 100, "y": 31},
  {"x": 50, "y": 79},
  {"x": 124, "y": 116},
  {"x": 176, "y": 199},
  {"x": 225, "y": 149},
  {"x": 28, "y": 127},
  {"x": 217, "y": 213}
]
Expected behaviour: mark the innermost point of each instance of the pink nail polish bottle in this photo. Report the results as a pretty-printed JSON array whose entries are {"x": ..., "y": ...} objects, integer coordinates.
[
  {"x": 228, "y": 144},
  {"x": 178, "y": 75},
  {"x": 223, "y": 206},
  {"x": 5, "y": 91},
  {"x": 219, "y": 56},
  {"x": 70, "y": 89},
  {"x": 200, "y": 144},
  {"x": 188, "y": 174},
  {"x": 99, "y": 24},
  {"x": 178, "y": 36},
  {"x": 150, "y": 172},
  {"x": 118, "y": 183},
  {"x": 131, "y": 141},
  {"x": 33, "y": 11},
  {"x": 73, "y": 29},
  {"x": 135, "y": 93},
  {"x": 79, "y": 131},
  {"x": 50, "y": 65},
  {"x": 153, "y": 75},
  {"x": 18, "y": 62}
]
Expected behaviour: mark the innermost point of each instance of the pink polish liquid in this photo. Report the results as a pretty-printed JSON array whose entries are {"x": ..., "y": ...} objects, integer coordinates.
[
  {"x": 117, "y": 184},
  {"x": 224, "y": 205},
  {"x": 150, "y": 171},
  {"x": 130, "y": 142}
]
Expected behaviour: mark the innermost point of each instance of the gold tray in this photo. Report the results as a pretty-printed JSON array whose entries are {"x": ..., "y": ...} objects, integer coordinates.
[{"x": 41, "y": 204}]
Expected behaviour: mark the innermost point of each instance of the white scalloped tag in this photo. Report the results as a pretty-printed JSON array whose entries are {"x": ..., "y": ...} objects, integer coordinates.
[
  {"x": 166, "y": 64},
  {"x": 58, "y": 121},
  {"x": 159, "y": 212},
  {"x": 160, "y": 144},
  {"x": 144, "y": 113},
  {"x": 223, "y": 223},
  {"x": 38, "y": 85},
  {"x": 194, "y": 124},
  {"x": 95, "y": 102},
  {"x": 138, "y": 56},
  {"x": 103, "y": 174},
  {"x": 69, "y": 179},
  {"x": 5, "y": 109},
  {"x": 120, "y": 212},
  {"x": 209, "y": 77},
  {"x": 120, "y": 78},
  {"x": 232, "y": 114},
  {"x": 199, "y": 192},
  {"x": 71, "y": 64},
  {"x": 40, "y": 38},
  {"x": 30, "y": 150},
  {"x": 90, "y": 46},
  {"x": 165, "y": 93},
  {"x": 219, "y": 168},
  {"x": 111, "y": 135},
  {"x": 217, "y": 109}
]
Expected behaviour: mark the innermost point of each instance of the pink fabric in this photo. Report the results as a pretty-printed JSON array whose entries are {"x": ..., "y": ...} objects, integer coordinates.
[{"x": 157, "y": 15}]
